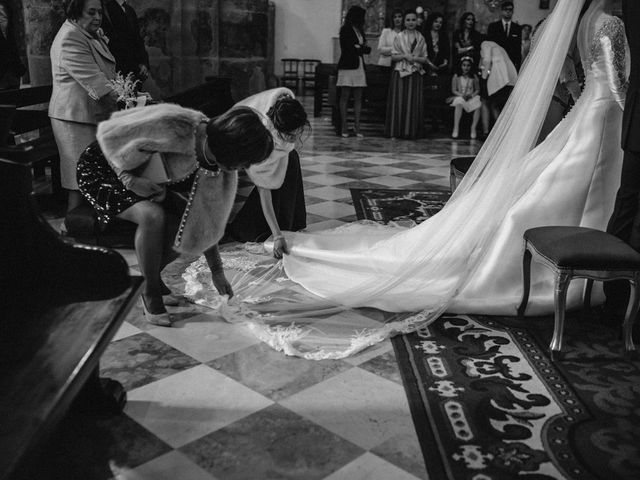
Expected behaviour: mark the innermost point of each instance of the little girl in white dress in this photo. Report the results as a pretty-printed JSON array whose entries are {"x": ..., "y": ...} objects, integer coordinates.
[{"x": 465, "y": 87}]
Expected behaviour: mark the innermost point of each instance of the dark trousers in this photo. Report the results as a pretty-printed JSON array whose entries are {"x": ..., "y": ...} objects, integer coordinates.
[{"x": 625, "y": 224}]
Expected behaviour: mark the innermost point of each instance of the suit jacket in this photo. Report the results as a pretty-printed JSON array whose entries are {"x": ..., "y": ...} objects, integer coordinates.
[
  {"x": 351, "y": 50},
  {"x": 81, "y": 67},
  {"x": 631, "y": 117},
  {"x": 10, "y": 63},
  {"x": 125, "y": 42},
  {"x": 512, "y": 44}
]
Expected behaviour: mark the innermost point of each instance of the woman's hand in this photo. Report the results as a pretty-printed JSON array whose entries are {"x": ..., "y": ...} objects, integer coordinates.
[
  {"x": 280, "y": 247},
  {"x": 221, "y": 283},
  {"x": 145, "y": 188}
]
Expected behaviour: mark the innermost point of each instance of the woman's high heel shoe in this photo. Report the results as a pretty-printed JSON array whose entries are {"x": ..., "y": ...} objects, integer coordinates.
[{"x": 160, "y": 319}]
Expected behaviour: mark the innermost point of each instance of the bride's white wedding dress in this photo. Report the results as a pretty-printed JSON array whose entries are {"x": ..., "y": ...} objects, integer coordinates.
[{"x": 467, "y": 258}]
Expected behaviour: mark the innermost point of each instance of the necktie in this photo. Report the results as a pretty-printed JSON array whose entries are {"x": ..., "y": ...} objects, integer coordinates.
[{"x": 506, "y": 29}]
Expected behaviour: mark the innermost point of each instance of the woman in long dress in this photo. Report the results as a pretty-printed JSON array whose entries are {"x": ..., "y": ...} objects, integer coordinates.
[
  {"x": 405, "y": 104},
  {"x": 467, "y": 258}
]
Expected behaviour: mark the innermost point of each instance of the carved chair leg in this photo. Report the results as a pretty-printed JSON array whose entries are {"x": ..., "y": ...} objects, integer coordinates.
[
  {"x": 526, "y": 277},
  {"x": 630, "y": 316},
  {"x": 560, "y": 298}
]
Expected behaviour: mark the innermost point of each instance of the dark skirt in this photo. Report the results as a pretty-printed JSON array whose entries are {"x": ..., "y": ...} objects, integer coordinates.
[
  {"x": 405, "y": 107},
  {"x": 249, "y": 225},
  {"x": 102, "y": 188},
  {"x": 99, "y": 184}
]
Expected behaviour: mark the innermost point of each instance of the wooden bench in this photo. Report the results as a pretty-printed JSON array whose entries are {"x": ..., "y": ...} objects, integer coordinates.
[
  {"x": 321, "y": 92},
  {"x": 27, "y": 137},
  {"x": 62, "y": 303}
]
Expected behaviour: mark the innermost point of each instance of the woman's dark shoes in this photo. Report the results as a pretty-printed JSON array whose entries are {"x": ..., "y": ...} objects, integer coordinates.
[{"x": 162, "y": 319}]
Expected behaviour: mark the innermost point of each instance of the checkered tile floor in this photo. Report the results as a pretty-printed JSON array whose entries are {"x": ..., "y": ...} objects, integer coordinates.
[{"x": 209, "y": 401}]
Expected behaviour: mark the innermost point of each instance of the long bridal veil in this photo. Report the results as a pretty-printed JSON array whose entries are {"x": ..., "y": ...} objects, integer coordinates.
[{"x": 418, "y": 271}]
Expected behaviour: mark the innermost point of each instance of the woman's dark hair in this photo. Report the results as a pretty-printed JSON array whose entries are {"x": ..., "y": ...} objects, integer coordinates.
[
  {"x": 238, "y": 138},
  {"x": 73, "y": 8},
  {"x": 463, "y": 21},
  {"x": 288, "y": 116},
  {"x": 431, "y": 19},
  {"x": 394, "y": 12},
  {"x": 355, "y": 17}
]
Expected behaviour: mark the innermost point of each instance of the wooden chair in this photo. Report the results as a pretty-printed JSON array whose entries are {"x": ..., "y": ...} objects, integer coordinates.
[
  {"x": 578, "y": 252},
  {"x": 290, "y": 74},
  {"x": 458, "y": 167},
  {"x": 308, "y": 77}
]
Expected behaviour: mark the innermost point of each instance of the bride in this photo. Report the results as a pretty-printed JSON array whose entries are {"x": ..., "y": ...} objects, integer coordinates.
[{"x": 467, "y": 258}]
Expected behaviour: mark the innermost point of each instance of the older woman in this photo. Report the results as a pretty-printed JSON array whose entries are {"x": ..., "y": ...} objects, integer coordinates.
[
  {"x": 159, "y": 159},
  {"x": 82, "y": 67},
  {"x": 277, "y": 202}
]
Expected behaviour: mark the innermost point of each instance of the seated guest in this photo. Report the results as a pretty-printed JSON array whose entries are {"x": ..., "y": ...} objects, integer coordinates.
[
  {"x": 467, "y": 40},
  {"x": 499, "y": 73},
  {"x": 466, "y": 95},
  {"x": 438, "y": 52},
  {"x": 387, "y": 37},
  {"x": 507, "y": 34},
  {"x": 156, "y": 160},
  {"x": 405, "y": 104},
  {"x": 277, "y": 202}
]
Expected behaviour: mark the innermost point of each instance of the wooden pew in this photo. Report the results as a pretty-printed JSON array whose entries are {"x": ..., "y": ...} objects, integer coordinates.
[
  {"x": 62, "y": 303},
  {"x": 27, "y": 107},
  {"x": 321, "y": 92}
]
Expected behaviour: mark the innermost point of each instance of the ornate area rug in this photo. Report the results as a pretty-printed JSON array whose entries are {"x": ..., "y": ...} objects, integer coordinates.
[
  {"x": 406, "y": 207},
  {"x": 488, "y": 403}
]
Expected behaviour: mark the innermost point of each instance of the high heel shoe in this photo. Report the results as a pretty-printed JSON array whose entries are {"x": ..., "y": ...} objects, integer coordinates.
[{"x": 160, "y": 319}]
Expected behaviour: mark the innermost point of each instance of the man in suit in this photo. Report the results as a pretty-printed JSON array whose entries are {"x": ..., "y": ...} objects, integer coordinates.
[
  {"x": 120, "y": 24},
  {"x": 11, "y": 68},
  {"x": 625, "y": 220},
  {"x": 507, "y": 34}
]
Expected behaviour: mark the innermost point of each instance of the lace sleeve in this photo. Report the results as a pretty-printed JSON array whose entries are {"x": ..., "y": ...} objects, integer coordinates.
[{"x": 612, "y": 41}]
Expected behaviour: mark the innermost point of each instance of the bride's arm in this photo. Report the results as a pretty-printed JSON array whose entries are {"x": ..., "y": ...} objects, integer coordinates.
[{"x": 615, "y": 50}]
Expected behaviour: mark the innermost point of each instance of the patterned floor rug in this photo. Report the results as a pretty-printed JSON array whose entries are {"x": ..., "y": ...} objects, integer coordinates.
[
  {"x": 407, "y": 207},
  {"x": 488, "y": 403}
]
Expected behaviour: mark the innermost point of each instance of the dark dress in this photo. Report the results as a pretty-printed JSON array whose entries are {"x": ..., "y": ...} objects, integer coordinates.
[
  {"x": 473, "y": 40},
  {"x": 99, "y": 184},
  {"x": 249, "y": 225}
]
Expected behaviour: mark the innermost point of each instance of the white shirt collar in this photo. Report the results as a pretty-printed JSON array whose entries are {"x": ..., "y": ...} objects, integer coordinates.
[{"x": 121, "y": 3}]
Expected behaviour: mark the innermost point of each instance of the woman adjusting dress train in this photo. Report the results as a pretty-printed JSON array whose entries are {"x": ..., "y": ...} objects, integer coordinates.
[{"x": 466, "y": 258}]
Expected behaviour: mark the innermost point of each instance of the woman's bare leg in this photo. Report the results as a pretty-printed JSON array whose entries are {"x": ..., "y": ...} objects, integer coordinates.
[
  {"x": 344, "y": 101},
  {"x": 357, "y": 108},
  {"x": 149, "y": 245}
]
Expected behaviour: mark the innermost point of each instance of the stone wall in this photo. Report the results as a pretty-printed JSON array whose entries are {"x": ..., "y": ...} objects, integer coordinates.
[{"x": 187, "y": 40}]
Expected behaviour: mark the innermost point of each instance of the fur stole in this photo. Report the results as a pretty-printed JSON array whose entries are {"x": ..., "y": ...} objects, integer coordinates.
[
  {"x": 205, "y": 218},
  {"x": 129, "y": 137}
]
